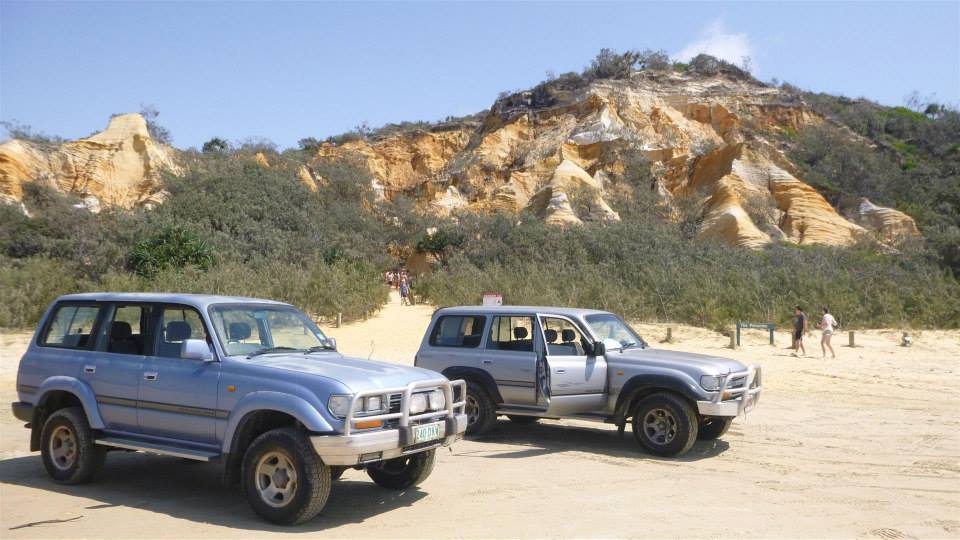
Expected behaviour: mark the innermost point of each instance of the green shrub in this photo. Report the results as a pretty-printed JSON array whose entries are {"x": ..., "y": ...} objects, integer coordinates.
[
  {"x": 27, "y": 286},
  {"x": 171, "y": 247}
]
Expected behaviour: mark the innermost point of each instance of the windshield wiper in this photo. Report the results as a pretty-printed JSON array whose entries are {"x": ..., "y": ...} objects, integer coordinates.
[
  {"x": 270, "y": 350},
  {"x": 318, "y": 348}
]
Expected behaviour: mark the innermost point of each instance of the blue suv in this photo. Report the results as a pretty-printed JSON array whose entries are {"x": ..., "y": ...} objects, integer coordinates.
[{"x": 252, "y": 384}]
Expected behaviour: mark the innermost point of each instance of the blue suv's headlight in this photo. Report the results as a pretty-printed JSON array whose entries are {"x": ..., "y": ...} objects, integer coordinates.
[{"x": 340, "y": 404}]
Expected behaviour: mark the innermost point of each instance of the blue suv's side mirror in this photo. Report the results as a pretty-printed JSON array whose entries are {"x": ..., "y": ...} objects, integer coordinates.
[{"x": 196, "y": 349}]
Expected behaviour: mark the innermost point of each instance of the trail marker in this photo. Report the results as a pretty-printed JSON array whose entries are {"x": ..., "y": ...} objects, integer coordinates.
[{"x": 746, "y": 325}]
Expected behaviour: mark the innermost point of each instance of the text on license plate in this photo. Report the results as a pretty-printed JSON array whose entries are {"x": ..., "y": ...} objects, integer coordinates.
[{"x": 428, "y": 432}]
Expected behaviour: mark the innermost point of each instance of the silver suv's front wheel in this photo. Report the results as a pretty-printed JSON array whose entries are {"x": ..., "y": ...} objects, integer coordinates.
[{"x": 665, "y": 424}]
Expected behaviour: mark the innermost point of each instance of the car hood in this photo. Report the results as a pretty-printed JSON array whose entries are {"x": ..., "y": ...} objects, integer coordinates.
[
  {"x": 706, "y": 364},
  {"x": 356, "y": 373}
]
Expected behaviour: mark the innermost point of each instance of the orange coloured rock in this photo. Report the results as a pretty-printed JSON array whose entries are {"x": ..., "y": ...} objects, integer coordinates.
[{"x": 120, "y": 166}]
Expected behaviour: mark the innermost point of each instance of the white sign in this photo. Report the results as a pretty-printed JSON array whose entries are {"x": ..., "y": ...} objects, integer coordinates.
[{"x": 492, "y": 299}]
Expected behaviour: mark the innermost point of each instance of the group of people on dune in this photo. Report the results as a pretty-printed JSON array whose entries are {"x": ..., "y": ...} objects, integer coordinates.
[
  {"x": 400, "y": 279},
  {"x": 801, "y": 328}
]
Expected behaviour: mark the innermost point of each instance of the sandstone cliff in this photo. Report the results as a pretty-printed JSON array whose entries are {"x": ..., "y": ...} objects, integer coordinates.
[
  {"x": 556, "y": 156},
  {"x": 119, "y": 166}
]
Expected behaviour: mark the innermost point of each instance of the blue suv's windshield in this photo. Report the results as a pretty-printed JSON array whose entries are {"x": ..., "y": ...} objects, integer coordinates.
[
  {"x": 615, "y": 333},
  {"x": 260, "y": 329}
]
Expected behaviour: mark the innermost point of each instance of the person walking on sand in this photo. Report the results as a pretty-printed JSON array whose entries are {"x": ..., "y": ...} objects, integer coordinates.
[
  {"x": 404, "y": 292},
  {"x": 799, "y": 329},
  {"x": 828, "y": 324}
]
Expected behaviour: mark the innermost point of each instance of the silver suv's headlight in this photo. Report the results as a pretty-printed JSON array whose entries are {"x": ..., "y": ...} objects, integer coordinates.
[
  {"x": 437, "y": 400},
  {"x": 711, "y": 383},
  {"x": 339, "y": 404}
]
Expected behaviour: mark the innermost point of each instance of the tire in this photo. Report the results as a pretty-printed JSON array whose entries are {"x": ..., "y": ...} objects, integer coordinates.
[
  {"x": 276, "y": 458},
  {"x": 337, "y": 472},
  {"x": 518, "y": 419},
  {"x": 481, "y": 410},
  {"x": 713, "y": 428},
  {"x": 665, "y": 424},
  {"x": 66, "y": 445},
  {"x": 403, "y": 472}
]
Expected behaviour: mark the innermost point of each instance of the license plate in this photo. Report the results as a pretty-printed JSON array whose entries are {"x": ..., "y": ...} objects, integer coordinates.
[{"x": 428, "y": 432}]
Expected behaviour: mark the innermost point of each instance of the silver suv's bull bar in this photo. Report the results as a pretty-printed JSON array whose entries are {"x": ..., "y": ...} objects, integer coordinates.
[
  {"x": 360, "y": 446},
  {"x": 735, "y": 401}
]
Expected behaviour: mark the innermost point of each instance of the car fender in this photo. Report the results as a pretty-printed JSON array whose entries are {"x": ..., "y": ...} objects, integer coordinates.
[
  {"x": 295, "y": 406},
  {"x": 482, "y": 377},
  {"x": 675, "y": 381},
  {"x": 78, "y": 388}
]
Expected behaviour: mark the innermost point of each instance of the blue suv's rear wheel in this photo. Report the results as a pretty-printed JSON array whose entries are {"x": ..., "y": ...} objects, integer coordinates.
[
  {"x": 283, "y": 478},
  {"x": 66, "y": 444}
]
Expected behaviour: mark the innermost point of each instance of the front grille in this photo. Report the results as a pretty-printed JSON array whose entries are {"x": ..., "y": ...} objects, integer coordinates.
[
  {"x": 395, "y": 400},
  {"x": 737, "y": 382}
]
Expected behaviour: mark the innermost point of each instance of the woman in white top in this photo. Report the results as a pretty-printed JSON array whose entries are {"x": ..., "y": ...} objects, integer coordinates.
[{"x": 827, "y": 324}]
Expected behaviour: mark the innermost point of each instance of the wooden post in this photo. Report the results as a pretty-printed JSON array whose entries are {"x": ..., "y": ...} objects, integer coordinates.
[
  {"x": 669, "y": 335},
  {"x": 733, "y": 340},
  {"x": 851, "y": 342},
  {"x": 339, "y": 319}
]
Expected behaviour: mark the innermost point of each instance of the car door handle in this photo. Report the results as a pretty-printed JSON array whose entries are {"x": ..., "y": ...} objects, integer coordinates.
[
  {"x": 487, "y": 361},
  {"x": 559, "y": 371},
  {"x": 150, "y": 376},
  {"x": 89, "y": 369}
]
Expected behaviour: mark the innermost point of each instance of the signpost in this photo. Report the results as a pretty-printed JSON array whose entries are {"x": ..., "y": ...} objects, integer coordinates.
[
  {"x": 748, "y": 325},
  {"x": 492, "y": 299}
]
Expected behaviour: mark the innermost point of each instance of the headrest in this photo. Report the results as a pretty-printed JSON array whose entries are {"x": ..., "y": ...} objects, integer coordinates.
[
  {"x": 551, "y": 335},
  {"x": 519, "y": 333},
  {"x": 120, "y": 330},
  {"x": 178, "y": 331},
  {"x": 568, "y": 335},
  {"x": 239, "y": 330}
]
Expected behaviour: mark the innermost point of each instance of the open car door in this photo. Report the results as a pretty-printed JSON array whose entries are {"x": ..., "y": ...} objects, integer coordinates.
[{"x": 570, "y": 379}]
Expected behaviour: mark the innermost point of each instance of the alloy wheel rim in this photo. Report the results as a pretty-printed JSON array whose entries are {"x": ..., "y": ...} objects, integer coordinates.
[
  {"x": 660, "y": 426},
  {"x": 276, "y": 479},
  {"x": 473, "y": 410},
  {"x": 63, "y": 448}
]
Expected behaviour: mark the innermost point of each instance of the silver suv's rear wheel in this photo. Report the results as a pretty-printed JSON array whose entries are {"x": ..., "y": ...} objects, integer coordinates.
[{"x": 480, "y": 409}]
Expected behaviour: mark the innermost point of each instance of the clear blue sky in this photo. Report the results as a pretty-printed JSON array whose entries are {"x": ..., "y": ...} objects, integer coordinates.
[{"x": 290, "y": 70}]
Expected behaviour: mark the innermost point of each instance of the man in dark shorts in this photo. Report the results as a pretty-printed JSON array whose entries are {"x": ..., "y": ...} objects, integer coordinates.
[{"x": 799, "y": 329}]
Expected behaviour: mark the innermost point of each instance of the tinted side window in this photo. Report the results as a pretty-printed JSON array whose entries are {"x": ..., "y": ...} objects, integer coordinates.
[
  {"x": 125, "y": 333},
  {"x": 178, "y": 324},
  {"x": 458, "y": 331},
  {"x": 511, "y": 334},
  {"x": 71, "y": 326}
]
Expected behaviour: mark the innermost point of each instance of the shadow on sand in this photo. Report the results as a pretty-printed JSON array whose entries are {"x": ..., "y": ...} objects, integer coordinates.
[
  {"x": 191, "y": 490},
  {"x": 549, "y": 437}
]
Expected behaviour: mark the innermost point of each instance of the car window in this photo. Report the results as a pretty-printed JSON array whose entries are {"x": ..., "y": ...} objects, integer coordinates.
[
  {"x": 511, "y": 333},
  {"x": 70, "y": 327},
  {"x": 257, "y": 329},
  {"x": 178, "y": 324},
  {"x": 458, "y": 331},
  {"x": 125, "y": 332},
  {"x": 563, "y": 338}
]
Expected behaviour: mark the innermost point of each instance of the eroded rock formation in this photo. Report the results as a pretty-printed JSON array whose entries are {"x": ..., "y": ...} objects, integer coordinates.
[
  {"x": 119, "y": 166},
  {"x": 702, "y": 137}
]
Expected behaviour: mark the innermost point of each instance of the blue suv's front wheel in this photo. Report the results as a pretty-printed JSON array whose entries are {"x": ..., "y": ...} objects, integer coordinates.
[{"x": 283, "y": 478}]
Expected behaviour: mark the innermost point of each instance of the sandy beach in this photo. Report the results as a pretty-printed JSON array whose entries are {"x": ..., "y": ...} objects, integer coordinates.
[{"x": 864, "y": 446}]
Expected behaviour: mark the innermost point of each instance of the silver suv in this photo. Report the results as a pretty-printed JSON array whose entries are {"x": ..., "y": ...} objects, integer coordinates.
[{"x": 544, "y": 362}]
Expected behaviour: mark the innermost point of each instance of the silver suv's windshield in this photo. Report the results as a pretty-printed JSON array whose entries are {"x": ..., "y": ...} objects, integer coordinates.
[
  {"x": 254, "y": 329},
  {"x": 615, "y": 333}
]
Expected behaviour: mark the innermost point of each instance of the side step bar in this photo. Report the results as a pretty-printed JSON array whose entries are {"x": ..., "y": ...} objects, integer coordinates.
[
  {"x": 155, "y": 448},
  {"x": 527, "y": 412}
]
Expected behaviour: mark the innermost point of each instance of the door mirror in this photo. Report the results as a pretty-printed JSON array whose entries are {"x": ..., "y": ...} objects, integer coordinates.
[
  {"x": 599, "y": 348},
  {"x": 332, "y": 343},
  {"x": 196, "y": 349}
]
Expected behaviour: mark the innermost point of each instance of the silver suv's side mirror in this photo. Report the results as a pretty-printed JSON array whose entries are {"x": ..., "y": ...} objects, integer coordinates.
[
  {"x": 332, "y": 343},
  {"x": 196, "y": 349},
  {"x": 599, "y": 348}
]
